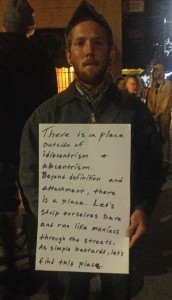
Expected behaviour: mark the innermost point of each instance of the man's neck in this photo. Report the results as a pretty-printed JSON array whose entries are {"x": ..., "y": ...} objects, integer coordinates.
[{"x": 92, "y": 90}]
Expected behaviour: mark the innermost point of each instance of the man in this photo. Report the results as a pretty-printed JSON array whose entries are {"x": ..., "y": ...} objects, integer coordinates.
[
  {"x": 160, "y": 103},
  {"x": 92, "y": 97}
]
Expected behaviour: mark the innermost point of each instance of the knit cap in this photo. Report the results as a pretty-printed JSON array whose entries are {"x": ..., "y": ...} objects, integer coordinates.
[
  {"x": 18, "y": 16},
  {"x": 86, "y": 11}
]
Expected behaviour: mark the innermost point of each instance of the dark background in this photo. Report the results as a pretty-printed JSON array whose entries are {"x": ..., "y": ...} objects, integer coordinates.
[{"x": 144, "y": 35}]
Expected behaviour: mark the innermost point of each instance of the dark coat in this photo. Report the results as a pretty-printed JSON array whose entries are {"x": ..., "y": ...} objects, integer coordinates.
[
  {"x": 70, "y": 107},
  {"x": 27, "y": 78}
]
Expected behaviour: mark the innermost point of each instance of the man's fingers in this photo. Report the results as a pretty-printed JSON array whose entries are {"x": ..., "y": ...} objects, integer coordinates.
[
  {"x": 131, "y": 230},
  {"x": 133, "y": 240},
  {"x": 134, "y": 233}
]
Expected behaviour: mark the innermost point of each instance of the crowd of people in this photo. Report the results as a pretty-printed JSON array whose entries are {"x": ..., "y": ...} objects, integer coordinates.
[
  {"x": 29, "y": 97},
  {"x": 158, "y": 99}
]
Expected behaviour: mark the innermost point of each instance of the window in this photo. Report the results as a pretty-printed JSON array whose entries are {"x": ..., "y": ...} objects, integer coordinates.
[{"x": 64, "y": 77}]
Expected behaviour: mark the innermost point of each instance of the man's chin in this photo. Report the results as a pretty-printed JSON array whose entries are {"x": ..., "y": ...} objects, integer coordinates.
[{"x": 91, "y": 79}]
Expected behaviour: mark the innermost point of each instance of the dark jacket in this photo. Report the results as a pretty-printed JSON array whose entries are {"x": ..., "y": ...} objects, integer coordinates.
[
  {"x": 70, "y": 107},
  {"x": 27, "y": 78}
]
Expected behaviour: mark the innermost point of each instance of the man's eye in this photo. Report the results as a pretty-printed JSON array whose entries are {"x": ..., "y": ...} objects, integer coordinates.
[
  {"x": 99, "y": 42},
  {"x": 79, "y": 43}
]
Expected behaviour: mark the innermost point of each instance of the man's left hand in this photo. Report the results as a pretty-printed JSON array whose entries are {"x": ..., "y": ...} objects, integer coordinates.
[{"x": 138, "y": 226}]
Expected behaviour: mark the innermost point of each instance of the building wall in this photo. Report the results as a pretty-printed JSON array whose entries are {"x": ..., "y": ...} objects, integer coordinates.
[{"x": 56, "y": 13}]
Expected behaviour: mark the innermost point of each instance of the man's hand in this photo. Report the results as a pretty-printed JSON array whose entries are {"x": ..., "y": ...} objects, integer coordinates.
[
  {"x": 138, "y": 226},
  {"x": 156, "y": 117}
]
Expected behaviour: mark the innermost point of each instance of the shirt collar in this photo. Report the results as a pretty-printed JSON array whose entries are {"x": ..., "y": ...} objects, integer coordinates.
[{"x": 91, "y": 98}]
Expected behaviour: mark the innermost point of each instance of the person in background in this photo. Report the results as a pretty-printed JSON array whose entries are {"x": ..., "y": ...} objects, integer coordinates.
[
  {"x": 119, "y": 82},
  {"x": 93, "y": 98},
  {"x": 27, "y": 78},
  {"x": 159, "y": 103},
  {"x": 131, "y": 84}
]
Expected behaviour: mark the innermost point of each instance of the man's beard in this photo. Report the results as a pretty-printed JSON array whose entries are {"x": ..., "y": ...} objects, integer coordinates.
[{"x": 94, "y": 78}]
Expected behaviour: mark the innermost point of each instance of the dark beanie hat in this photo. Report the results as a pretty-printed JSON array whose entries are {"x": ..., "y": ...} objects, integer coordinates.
[
  {"x": 18, "y": 16},
  {"x": 86, "y": 11}
]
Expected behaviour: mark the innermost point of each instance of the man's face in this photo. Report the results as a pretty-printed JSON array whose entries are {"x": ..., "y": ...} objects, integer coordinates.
[{"x": 89, "y": 53}]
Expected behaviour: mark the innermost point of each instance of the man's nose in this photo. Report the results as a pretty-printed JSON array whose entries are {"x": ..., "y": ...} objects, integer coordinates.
[{"x": 89, "y": 48}]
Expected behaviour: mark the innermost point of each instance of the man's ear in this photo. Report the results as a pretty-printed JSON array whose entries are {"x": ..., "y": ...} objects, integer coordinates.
[
  {"x": 68, "y": 57},
  {"x": 112, "y": 55}
]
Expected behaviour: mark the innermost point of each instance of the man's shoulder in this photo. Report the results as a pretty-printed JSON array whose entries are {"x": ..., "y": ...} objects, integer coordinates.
[{"x": 58, "y": 100}]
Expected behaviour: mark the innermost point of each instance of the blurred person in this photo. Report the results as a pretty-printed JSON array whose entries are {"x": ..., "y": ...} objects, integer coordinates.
[
  {"x": 119, "y": 82},
  {"x": 159, "y": 103},
  {"x": 27, "y": 78},
  {"x": 132, "y": 84},
  {"x": 93, "y": 98}
]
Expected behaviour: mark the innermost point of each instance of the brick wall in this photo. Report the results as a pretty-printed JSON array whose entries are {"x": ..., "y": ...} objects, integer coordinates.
[{"x": 56, "y": 13}]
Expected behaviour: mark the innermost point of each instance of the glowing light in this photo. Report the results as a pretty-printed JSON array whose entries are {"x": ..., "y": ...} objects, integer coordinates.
[
  {"x": 168, "y": 47},
  {"x": 64, "y": 77},
  {"x": 167, "y": 74}
]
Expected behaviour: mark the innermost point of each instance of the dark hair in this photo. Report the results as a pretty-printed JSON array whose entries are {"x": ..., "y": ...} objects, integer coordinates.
[{"x": 118, "y": 79}]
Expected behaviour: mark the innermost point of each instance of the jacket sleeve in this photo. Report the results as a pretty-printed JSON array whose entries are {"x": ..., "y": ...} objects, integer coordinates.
[
  {"x": 166, "y": 100},
  {"x": 146, "y": 163},
  {"x": 163, "y": 99},
  {"x": 28, "y": 171}
]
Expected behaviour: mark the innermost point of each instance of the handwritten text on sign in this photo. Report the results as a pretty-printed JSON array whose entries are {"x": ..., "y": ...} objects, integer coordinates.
[{"x": 84, "y": 198}]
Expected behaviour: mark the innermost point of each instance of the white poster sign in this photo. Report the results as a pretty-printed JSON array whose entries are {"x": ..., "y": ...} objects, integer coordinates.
[{"x": 84, "y": 198}]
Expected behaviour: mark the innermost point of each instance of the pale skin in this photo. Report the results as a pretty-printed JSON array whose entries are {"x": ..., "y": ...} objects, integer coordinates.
[
  {"x": 90, "y": 55},
  {"x": 30, "y": 31}
]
